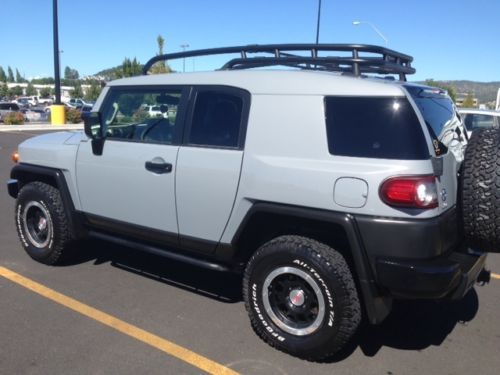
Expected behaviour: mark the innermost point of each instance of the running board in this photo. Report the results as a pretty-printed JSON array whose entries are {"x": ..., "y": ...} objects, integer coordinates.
[{"x": 161, "y": 252}]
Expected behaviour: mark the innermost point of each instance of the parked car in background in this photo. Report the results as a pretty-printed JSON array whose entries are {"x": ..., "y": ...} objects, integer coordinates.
[
  {"x": 7, "y": 108},
  {"x": 156, "y": 110},
  {"x": 35, "y": 115},
  {"x": 85, "y": 110},
  {"x": 45, "y": 101},
  {"x": 78, "y": 102},
  {"x": 29, "y": 101},
  {"x": 479, "y": 118},
  {"x": 22, "y": 102}
]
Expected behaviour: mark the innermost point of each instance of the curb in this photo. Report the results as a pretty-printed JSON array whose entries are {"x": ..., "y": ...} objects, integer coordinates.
[{"x": 43, "y": 126}]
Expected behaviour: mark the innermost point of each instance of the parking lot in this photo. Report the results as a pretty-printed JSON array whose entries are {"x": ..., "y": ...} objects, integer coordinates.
[{"x": 115, "y": 310}]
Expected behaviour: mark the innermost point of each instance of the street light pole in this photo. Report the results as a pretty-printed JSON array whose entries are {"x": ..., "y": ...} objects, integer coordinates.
[
  {"x": 319, "y": 18},
  {"x": 57, "y": 112},
  {"x": 57, "y": 74},
  {"x": 356, "y": 23},
  {"x": 184, "y": 46}
]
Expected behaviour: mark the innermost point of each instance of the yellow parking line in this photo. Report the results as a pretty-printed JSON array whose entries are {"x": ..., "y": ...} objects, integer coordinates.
[
  {"x": 157, "y": 342},
  {"x": 495, "y": 276}
]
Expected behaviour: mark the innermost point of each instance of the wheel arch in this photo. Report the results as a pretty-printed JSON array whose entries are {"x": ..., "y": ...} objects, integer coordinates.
[
  {"x": 265, "y": 221},
  {"x": 23, "y": 174}
]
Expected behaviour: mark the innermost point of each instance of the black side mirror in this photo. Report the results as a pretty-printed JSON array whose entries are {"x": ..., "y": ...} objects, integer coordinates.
[
  {"x": 94, "y": 130},
  {"x": 93, "y": 125}
]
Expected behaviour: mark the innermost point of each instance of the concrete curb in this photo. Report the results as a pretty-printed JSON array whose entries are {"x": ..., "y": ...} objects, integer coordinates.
[{"x": 39, "y": 127}]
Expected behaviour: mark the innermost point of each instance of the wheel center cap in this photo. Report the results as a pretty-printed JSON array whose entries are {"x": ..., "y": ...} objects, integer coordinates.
[
  {"x": 297, "y": 297},
  {"x": 42, "y": 223}
]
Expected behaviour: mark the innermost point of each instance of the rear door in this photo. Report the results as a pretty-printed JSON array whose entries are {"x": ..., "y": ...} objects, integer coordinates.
[{"x": 209, "y": 164}]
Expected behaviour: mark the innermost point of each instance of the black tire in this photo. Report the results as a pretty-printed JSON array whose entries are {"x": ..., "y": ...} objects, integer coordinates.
[
  {"x": 284, "y": 283},
  {"x": 42, "y": 223},
  {"x": 480, "y": 184}
]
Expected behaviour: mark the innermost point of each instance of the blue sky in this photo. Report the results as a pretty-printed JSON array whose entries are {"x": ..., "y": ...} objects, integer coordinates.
[{"x": 448, "y": 39}]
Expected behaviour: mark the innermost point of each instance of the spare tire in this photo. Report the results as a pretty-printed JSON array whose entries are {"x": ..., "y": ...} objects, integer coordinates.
[{"x": 480, "y": 190}]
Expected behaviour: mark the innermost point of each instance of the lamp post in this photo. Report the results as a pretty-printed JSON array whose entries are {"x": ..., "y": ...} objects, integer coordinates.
[
  {"x": 319, "y": 18},
  {"x": 184, "y": 46},
  {"x": 357, "y": 23},
  {"x": 57, "y": 74},
  {"x": 57, "y": 114}
]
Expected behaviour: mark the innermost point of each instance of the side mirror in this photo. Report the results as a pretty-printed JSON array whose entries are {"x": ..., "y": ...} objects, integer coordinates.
[
  {"x": 93, "y": 129},
  {"x": 93, "y": 125}
]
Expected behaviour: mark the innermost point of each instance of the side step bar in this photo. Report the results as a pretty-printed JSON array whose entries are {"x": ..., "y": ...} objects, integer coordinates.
[{"x": 161, "y": 252}]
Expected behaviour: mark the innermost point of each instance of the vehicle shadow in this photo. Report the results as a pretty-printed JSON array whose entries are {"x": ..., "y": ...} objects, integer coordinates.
[
  {"x": 222, "y": 286},
  {"x": 413, "y": 325}
]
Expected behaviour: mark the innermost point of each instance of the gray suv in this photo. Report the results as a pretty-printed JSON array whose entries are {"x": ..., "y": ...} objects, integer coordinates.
[{"x": 333, "y": 186}]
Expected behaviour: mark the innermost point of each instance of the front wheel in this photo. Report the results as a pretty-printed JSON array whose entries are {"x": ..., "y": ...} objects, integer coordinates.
[
  {"x": 301, "y": 297},
  {"x": 42, "y": 223}
]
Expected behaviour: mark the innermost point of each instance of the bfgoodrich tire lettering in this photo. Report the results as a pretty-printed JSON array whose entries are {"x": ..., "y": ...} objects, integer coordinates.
[
  {"x": 42, "y": 223},
  {"x": 316, "y": 308},
  {"x": 480, "y": 181}
]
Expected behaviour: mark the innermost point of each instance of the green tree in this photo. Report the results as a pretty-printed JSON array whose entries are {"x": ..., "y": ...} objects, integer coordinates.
[
  {"x": 160, "y": 67},
  {"x": 93, "y": 91},
  {"x": 450, "y": 89},
  {"x": 71, "y": 73},
  {"x": 4, "y": 90},
  {"x": 30, "y": 90},
  {"x": 468, "y": 101},
  {"x": 129, "y": 68},
  {"x": 45, "y": 92},
  {"x": 3, "y": 76},
  {"x": 19, "y": 78},
  {"x": 77, "y": 92},
  {"x": 16, "y": 91},
  {"x": 10, "y": 75},
  {"x": 43, "y": 81}
]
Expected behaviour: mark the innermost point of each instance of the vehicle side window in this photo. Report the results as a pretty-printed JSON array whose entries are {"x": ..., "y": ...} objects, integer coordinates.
[
  {"x": 374, "y": 127},
  {"x": 216, "y": 119},
  {"x": 142, "y": 114},
  {"x": 482, "y": 121}
]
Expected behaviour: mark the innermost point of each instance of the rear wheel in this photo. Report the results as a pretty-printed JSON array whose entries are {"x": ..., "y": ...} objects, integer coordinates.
[
  {"x": 301, "y": 297},
  {"x": 480, "y": 182},
  {"x": 42, "y": 223}
]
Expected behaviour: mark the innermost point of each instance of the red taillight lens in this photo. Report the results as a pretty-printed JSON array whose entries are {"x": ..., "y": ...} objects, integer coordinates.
[{"x": 411, "y": 192}]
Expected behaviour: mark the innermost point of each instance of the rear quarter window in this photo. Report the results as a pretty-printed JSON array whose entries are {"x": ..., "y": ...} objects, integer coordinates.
[{"x": 374, "y": 127}]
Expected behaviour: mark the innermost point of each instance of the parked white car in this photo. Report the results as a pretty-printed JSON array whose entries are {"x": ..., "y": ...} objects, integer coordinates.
[{"x": 479, "y": 118}]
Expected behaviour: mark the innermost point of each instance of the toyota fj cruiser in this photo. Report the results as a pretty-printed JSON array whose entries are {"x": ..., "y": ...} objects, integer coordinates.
[{"x": 333, "y": 185}]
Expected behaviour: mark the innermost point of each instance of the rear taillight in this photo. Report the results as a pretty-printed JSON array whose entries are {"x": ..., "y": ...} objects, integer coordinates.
[{"x": 410, "y": 192}]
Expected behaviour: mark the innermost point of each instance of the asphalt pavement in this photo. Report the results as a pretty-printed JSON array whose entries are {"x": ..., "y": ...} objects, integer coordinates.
[{"x": 114, "y": 310}]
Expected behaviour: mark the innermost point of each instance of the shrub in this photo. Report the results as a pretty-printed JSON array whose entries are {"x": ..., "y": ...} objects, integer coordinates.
[
  {"x": 73, "y": 116},
  {"x": 14, "y": 118}
]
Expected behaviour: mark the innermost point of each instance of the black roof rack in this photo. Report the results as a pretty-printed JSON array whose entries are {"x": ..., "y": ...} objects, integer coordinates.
[{"x": 357, "y": 59}]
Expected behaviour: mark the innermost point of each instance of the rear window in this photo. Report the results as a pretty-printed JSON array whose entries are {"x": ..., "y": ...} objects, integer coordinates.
[
  {"x": 436, "y": 108},
  {"x": 374, "y": 127}
]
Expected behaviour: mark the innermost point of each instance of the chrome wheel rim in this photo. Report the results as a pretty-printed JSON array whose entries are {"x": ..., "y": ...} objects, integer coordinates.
[
  {"x": 37, "y": 224},
  {"x": 293, "y": 300}
]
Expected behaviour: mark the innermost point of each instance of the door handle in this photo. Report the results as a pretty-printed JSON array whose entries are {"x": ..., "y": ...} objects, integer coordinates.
[{"x": 159, "y": 168}]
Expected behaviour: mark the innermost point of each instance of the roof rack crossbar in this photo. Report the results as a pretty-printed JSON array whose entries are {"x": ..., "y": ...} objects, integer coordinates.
[{"x": 380, "y": 60}]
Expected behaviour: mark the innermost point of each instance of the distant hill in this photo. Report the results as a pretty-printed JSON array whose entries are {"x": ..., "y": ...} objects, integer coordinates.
[
  {"x": 111, "y": 73},
  {"x": 484, "y": 91}
]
